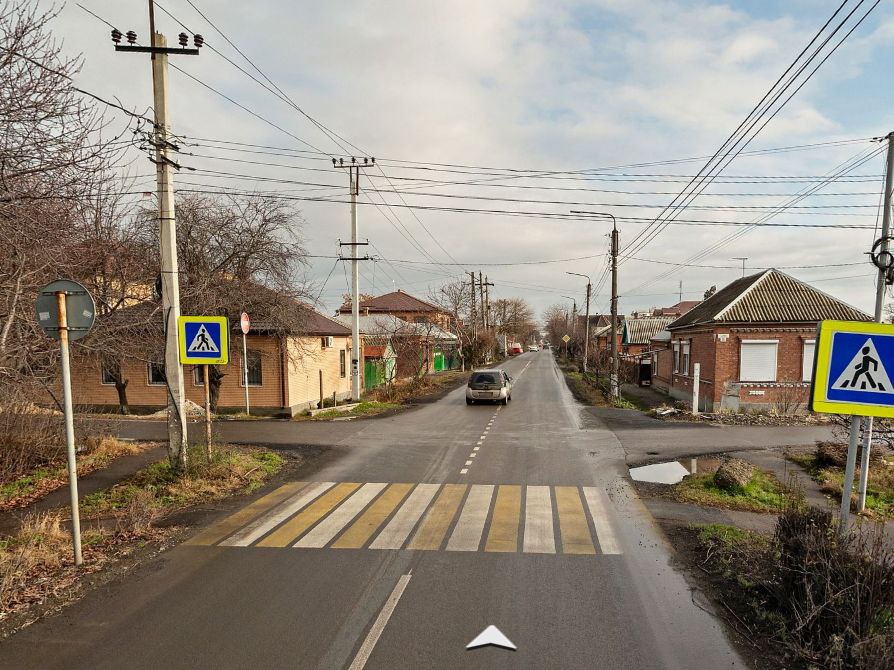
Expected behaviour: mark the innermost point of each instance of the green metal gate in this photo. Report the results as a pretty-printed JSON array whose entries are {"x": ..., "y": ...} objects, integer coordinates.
[
  {"x": 439, "y": 361},
  {"x": 373, "y": 374}
]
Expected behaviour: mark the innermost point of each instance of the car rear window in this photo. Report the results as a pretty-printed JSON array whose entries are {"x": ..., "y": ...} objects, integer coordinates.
[{"x": 486, "y": 378}]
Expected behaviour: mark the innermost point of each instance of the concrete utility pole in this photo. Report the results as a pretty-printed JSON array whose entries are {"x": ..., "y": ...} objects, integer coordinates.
[
  {"x": 474, "y": 314},
  {"x": 354, "y": 182},
  {"x": 481, "y": 295},
  {"x": 615, "y": 386},
  {"x": 170, "y": 283},
  {"x": 487, "y": 318},
  {"x": 586, "y": 318},
  {"x": 880, "y": 290}
]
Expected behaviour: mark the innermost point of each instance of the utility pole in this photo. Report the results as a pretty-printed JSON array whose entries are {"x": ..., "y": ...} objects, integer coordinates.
[
  {"x": 615, "y": 387},
  {"x": 474, "y": 312},
  {"x": 743, "y": 259},
  {"x": 481, "y": 296},
  {"x": 170, "y": 283},
  {"x": 354, "y": 182},
  {"x": 880, "y": 290},
  {"x": 586, "y": 318},
  {"x": 681, "y": 290},
  {"x": 488, "y": 321}
]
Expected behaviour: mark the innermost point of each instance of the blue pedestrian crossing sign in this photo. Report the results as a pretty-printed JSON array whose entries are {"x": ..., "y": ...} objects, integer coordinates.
[
  {"x": 853, "y": 368},
  {"x": 204, "y": 340}
]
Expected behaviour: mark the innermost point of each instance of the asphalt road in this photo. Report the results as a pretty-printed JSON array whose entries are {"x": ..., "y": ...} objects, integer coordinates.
[{"x": 410, "y": 541}]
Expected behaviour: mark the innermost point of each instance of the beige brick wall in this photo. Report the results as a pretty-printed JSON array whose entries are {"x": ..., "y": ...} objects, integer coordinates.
[
  {"x": 306, "y": 358},
  {"x": 88, "y": 389}
]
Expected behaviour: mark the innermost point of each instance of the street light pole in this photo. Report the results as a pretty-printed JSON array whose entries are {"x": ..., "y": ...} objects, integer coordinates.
[{"x": 586, "y": 318}]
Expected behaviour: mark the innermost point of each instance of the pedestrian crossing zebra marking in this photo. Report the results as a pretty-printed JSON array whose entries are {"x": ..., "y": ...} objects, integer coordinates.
[{"x": 506, "y": 518}]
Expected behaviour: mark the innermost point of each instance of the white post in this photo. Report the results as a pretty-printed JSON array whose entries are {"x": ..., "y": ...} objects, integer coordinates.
[
  {"x": 245, "y": 372},
  {"x": 848, "y": 484},
  {"x": 355, "y": 290},
  {"x": 696, "y": 375},
  {"x": 879, "y": 305},
  {"x": 69, "y": 429},
  {"x": 170, "y": 286}
]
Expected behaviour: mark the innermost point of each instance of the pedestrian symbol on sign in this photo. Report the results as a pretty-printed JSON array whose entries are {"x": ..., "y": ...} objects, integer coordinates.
[
  {"x": 202, "y": 342},
  {"x": 865, "y": 372}
]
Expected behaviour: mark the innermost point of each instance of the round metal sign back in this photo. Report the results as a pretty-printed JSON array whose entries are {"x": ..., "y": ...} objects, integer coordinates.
[
  {"x": 245, "y": 323},
  {"x": 80, "y": 309}
]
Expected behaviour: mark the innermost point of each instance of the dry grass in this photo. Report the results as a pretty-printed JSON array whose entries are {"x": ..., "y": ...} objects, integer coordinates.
[{"x": 157, "y": 489}]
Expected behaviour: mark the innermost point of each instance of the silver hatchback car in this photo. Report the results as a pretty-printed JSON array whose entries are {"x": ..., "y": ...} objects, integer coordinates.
[{"x": 489, "y": 386}]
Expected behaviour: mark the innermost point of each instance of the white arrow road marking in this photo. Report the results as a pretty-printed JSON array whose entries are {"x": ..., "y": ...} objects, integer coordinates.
[
  {"x": 491, "y": 636},
  {"x": 379, "y": 624}
]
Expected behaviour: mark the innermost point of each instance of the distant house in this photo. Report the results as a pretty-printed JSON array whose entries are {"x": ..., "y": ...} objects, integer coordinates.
[
  {"x": 677, "y": 310},
  {"x": 600, "y": 331},
  {"x": 404, "y": 306},
  {"x": 288, "y": 370},
  {"x": 639, "y": 331},
  {"x": 753, "y": 340}
]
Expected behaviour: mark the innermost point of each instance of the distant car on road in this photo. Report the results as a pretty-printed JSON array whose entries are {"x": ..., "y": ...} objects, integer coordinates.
[
  {"x": 490, "y": 385},
  {"x": 533, "y": 347}
]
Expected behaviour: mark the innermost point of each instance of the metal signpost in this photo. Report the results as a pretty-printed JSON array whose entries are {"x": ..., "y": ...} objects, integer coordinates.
[
  {"x": 852, "y": 375},
  {"x": 245, "y": 325},
  {"x": 66, "y": 312},
  {"x": 204, "y": 340}
]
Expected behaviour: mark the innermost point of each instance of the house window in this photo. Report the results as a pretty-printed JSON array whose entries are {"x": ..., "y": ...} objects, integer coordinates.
[
  {"x": 110, "y": 371},
  {"x": 198, "y": 375},
  {"x": 676, "y": 356},
  {"x": 342, "y": 363},
  {"x": 655, "y": 364},
  {"x": 684, "y": 365},
  {"x": 157, "y": 374},
  {"x": 807, "y": 360},
  {"x": 757, "y": 360},
  {"x": 255, "y": 373}
]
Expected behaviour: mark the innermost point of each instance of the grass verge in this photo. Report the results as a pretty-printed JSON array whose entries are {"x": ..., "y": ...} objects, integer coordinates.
[
  {"x": 830, "y": 477},
  {"x": 24, "y": 490},
  {"x": 764, "y": 493},
  {"x": 363, "y": 408},
  {"x": 159, "y": 489}
]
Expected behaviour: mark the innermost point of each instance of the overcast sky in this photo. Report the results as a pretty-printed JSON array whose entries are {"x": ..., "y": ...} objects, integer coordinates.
[{"x": 498, "y": 85}]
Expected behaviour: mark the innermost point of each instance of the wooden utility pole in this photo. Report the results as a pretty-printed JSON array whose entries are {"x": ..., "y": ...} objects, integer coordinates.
[
  {"x": 481, "y": 295},
  {"x": 170, "y": 284}
]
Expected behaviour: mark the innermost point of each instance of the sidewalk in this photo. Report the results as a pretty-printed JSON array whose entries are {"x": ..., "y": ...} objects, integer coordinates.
[{"x": 120, "y": 469}]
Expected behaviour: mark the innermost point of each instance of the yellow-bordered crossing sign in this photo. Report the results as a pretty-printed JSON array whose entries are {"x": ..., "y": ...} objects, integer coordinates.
[
  {"x": 853, "y": 368},
  {"x": 204, "y": 340}
]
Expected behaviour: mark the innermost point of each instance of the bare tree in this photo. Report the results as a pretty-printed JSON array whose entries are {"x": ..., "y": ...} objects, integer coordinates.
[
  {"x": 54, "y": 162},
  {"x": 513, "y": 317},
  {"x": 455, "y": 298}
]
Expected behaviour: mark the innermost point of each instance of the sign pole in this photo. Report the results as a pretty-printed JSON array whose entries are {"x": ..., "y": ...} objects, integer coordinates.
[
  {"x": 848, "y": 483},
  {"x": 245, "y": 373},
  {"x": 69, "y": 428},
  {"x": 879, "y": 304},
  {"x": 207, "y": 412}
]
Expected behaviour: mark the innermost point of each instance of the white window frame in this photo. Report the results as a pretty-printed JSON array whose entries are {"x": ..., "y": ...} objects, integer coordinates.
[
  {"x": 807, "y": 366},
  {"x": 198, "y": 376},
  {"x": 744, "y": 343},
  {"x": 685, "y": 353},
  {"x": 677, "y": 356}
]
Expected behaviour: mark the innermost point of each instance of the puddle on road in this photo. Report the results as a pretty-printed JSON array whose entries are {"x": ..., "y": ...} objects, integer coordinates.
[
  {"x": 660, "y": 473},
  {"x": 673, "y": 472}
]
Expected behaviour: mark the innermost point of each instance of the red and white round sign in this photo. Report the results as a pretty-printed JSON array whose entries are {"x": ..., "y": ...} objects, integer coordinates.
[{"x": 245, "y": 323}]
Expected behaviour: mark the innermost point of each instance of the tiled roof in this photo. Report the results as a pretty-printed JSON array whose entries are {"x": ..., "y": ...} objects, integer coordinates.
[
  {"x": 314, "y": 323},
  {"x": 640, "y": 331},
  {"x": 770, "y": 296},
  {"x": 396, "y": 301},
  {"x": 677, "y": 310}
]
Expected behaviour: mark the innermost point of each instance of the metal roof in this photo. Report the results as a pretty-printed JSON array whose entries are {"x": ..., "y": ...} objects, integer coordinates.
[
  {"x": 770, "y": 296},
  {"x": 641, "y": 330},
  {"x": 396, "y": 301}
]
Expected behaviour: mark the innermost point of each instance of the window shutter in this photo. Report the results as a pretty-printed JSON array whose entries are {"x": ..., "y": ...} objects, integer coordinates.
[
  {"x": 757, "y": 361},
  {"x": 807, "y": 360}
]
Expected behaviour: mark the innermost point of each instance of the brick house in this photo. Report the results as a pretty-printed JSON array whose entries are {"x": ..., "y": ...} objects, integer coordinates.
[
  {"x": 287, "y": 372},
  {"x": 403, "y": 306},
  {"x": 600, "y": 331},
  {"x": 754, "y": 341},
  {"x": 638, "y": 332}
]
